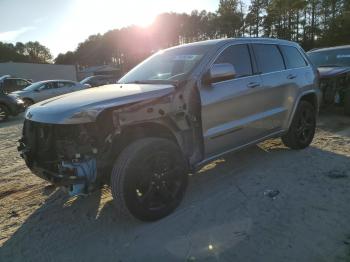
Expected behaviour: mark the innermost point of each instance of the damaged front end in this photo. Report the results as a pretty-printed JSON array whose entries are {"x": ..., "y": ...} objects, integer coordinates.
[
  {"x": 65, "y": 155},
  {"x": 334, "y": 89},
  {"x": 76, "y": 147}
]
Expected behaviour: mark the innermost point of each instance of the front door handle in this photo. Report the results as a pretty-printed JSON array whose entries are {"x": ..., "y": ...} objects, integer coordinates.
[
  {"x": 291, "y": 76},
  {"x": 253, "y": 84}
]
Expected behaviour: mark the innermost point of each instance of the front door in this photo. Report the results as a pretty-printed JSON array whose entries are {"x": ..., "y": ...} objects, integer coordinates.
[{"x": 231, "y": 108}]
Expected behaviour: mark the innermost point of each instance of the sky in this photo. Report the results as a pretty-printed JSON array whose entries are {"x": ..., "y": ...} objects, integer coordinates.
[{"x": 62, "y": 24}]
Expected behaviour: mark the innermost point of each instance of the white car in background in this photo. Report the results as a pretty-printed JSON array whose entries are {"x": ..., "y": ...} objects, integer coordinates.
[{"x": 43, "y": 90}]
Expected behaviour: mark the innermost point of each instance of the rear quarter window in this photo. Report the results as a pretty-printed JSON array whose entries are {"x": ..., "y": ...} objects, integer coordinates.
[
  {"x": 293, "y": 58},
  {"x": 268, "y": 58}
]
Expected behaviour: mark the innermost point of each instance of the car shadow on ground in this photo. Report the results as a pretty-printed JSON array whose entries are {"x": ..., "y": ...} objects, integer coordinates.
[
  {"x": 226, "y": 215},
  {"x": 334, "y": 120}
]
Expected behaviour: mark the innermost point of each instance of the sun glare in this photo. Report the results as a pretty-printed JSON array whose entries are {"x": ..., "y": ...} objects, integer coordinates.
[{"x": 111, "y": 14}]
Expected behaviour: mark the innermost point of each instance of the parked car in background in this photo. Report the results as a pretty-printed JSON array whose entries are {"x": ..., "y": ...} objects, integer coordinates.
[
  {"x": 334, "y": 68},
  {"x": 170, "y": 115},
  {"x": 10, "y": 84},
  {"x": 46, "y": 89},
  {"x": 10, "y": 105},
  {"x": 99, "y": 80}
]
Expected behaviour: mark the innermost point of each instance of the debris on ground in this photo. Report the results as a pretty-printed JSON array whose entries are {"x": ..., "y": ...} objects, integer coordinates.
[
  {"x": 271, "y": 193},
  {"x": 336, "y": 174},
  {"x": 13, "y": 214}
]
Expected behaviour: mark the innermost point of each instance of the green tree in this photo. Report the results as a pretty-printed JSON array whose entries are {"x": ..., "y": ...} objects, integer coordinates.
[
  {"x": 31, "y": 52},
  {"x": 37, "y": 53},
  {"x": 230, "y": 20}
]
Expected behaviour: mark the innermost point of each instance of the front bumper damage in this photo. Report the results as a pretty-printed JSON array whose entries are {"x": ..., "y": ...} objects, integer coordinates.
[{"x": 59, "y": 159}]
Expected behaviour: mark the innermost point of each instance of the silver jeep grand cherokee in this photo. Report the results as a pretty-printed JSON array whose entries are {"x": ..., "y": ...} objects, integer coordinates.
[{"x": 171, "y": 114}]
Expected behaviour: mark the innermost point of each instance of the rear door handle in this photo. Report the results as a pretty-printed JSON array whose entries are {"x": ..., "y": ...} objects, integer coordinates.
[
  {"x": 291, "y": 76},
  {"x": 253, "y": 84}
]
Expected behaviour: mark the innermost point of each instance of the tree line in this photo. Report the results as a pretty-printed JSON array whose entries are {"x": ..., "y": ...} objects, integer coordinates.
[
  {"x": 30, "y": 52},
  {"x": 312, "y": 23}
]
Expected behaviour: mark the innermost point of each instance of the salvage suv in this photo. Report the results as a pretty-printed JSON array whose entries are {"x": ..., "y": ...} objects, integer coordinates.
[
  {"x": 334, "y": 68},
  {"x": 170, "y": 115}
]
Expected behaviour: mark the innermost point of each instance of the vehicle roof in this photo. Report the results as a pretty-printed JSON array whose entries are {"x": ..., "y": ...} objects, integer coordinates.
[
  {"x": 223, "y": 41},
  {"x": 55, "y": 80},
  {"x": 16, "y": 78},
  {"x": 329, "y": 48},
  {"x": 100, "y": 76}
]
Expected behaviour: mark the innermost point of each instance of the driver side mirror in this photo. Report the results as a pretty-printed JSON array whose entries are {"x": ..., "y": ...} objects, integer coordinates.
[{"x": 220, "y": 72}]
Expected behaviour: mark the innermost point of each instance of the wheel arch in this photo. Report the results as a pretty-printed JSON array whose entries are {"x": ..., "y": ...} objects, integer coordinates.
[
  {"x": 157, "y": 129},
  {"x": 8, "y": 108},
  {"x": 28, "y": 98},
  {"x": 310, "y": 96},
  {"x": 148, "y": 129}
]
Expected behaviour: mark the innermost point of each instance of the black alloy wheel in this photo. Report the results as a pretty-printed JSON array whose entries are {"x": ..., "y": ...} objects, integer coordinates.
[
  {"x": 303, "y": 126},
  {"x": 149, "y": 179}
]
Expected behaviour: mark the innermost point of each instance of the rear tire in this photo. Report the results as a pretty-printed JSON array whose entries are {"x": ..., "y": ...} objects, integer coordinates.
[
  {"x": 347, "y": 103},
  {"x": 149, "y": 179},
  {"x": 302, "y": 130},
  {"x": 4, "y": 113}
]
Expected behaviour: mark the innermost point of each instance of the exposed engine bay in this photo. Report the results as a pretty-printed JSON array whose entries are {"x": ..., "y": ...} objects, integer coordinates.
[
  {"x": 334, "y": 89},
  {"x": 66, "y": 155}
]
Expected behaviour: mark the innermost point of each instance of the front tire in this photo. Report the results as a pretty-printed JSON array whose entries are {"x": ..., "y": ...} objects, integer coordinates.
[
  {"x": 347, "y": 103},
  {"x": 302, "y": 129},
  {"x": 149, "y": 179},
  {"x": 4, "y": 113}
]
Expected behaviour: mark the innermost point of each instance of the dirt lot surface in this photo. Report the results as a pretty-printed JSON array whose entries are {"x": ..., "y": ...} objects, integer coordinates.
[{"x": 265, "y": 203}]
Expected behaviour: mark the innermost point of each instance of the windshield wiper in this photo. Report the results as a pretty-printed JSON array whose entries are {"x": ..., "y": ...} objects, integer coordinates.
[{"x": 153, "y": 82}]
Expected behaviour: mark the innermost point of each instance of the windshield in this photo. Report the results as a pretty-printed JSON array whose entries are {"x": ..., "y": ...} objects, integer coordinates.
[
  {"x": 4, "y": 77},
  {"x": 169, "y": 65},
  {"x": 86, "y": 80},
  {"x": 34, "y": 86},
  {"x": 336, "y": 57}
]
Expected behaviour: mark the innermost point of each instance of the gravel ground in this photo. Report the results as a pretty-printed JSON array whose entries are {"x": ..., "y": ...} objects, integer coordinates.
[{"x": 265, "y": 203}]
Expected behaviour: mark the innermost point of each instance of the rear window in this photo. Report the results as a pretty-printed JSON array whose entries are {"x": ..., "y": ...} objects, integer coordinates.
[
  {"x": 293, "y": 57},
  {"x": 269, "y": 58}
]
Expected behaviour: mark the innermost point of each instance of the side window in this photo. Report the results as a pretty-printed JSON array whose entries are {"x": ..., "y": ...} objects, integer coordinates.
[
  {"x": 64, "y": 84},
  {"x": 8, "y": 85},
  {"x": 7, "y": 82},
  {"x": 269, "y": 58},
  {"x": 21, "y": 83},
  {"x": 293, "y": 57},
  {"x": 47, "y": 86},
  {"x": 239, "y": 57}
]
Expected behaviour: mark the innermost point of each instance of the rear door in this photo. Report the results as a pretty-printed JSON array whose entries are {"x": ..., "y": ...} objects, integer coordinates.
[
  {"x": 230, "y": 108},
  {"x": 299, "y": 74},
  {"x": 271, "y": 67},
  {"x": 45, "y": 91},
  {"x": 65, "y": 87}
]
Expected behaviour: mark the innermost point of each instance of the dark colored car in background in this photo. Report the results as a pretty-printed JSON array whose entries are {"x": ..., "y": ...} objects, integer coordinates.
[
  {"x": 333, "y": 64},
  {"x": 9, "y": 105},
  {"x": 99, "y": 80},
  {"x": 10, "y": 84}
]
